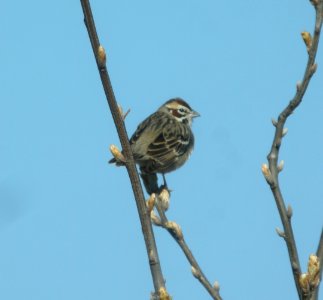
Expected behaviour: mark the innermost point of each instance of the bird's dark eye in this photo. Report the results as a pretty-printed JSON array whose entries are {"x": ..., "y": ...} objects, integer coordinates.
[{"x": 182, "y": 110}]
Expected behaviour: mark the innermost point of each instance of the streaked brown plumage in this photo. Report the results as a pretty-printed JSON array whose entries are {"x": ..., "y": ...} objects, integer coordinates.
[{"x": 163, "y": 142}]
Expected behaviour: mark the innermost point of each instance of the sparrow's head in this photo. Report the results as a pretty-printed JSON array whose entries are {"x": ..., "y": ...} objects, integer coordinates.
[{"x": 180, "y": 110}]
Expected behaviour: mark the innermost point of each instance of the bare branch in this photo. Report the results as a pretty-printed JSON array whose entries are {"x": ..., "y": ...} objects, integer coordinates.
[
  {"x": 100, "y": 56},
  {"x": 271, "y": 174},
  {"x": 319, "y": 254},
  {"x": 176, "y": 232}
]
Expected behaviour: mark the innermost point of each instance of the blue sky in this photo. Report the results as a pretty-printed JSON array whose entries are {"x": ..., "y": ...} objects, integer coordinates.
[{"x": 68, "y": 222}]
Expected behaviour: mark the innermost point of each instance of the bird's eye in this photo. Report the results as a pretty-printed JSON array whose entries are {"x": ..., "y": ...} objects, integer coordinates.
[{"x": 182, "y": 110}]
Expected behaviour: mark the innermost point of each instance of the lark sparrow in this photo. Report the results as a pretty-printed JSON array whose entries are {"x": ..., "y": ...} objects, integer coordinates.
[{"x": 163, "y": 142}]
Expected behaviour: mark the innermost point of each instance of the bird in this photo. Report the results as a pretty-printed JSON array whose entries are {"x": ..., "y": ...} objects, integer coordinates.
[{"x": 163, "y": 142}]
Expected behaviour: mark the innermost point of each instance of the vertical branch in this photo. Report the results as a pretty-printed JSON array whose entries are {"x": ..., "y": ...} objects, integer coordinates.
[
  {"x": 271, "y": 172},
  {"x": 319, "y": 254},
  {"x": 99, "y": 53}
]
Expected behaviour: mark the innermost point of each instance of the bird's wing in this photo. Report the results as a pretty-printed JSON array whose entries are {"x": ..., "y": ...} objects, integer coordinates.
[
  {"x": 153, "y": 122},
  {"x": 172, "y": 142}
]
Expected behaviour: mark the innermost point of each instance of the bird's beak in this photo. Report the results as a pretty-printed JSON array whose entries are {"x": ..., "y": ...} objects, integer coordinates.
[{"x": 195, "y": 114}]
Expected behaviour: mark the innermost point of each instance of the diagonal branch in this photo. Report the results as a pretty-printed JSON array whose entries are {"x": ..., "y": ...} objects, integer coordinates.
[
  {"x": 176, "y": 232},
  {"x": 319, "y": 254},
  {"x": 99, "y": 53},
  {"x": 271, "y": 173}
]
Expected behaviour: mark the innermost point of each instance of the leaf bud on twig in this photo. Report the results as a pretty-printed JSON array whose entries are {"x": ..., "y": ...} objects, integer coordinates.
[
  {"x": 163, "y": 294},
  {"x": 280, "y": 166},
  {"x": 313, "y": 270},
  {"x": 120, "y": 110},
  {"x": 280, "y": 233},
  {"x": 195, "y": 272},
  {"x": 216, "y": 286},
  {"x": 152, "y": 255},
  {"x": 313, "y": 68},
  {"x": 123, "y": 116},
  {"x": 289, "y": 212},
  {"x": 102, "y": 58},
  {"x": 151, "y": 202},
  {"x": 310, "y": 280},
  {"x": 164, "y": 197},
  {"x": 156, "y": 220},
  {"x": 117, "y": 154},
  {"x": 298, "y": 86},
  {"x": 307, "y": 38},
  {"x": 285, "y": 130},
  {"x": 274, "y": 122},
  {"x": 175, "y": 228},
  {"x": 266, "y": 172},
  {"x": 304, "y": 283}
]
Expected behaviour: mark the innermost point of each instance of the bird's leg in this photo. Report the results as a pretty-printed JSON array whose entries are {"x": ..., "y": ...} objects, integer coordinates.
[
  {"x": 164, "y": 186},
  {"x": 165, "y": 183}
]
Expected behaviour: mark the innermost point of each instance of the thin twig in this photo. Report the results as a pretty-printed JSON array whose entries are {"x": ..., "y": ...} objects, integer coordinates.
[
  {"x": 99, "y": 53},
  {"x": 319, "y": 254},
  {"x": 179, "y": 238},
  {"x": 271, "y": 174}
]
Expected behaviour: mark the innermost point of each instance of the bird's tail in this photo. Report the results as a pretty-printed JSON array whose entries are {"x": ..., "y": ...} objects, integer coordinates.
[{"x": 150, "y": 182}]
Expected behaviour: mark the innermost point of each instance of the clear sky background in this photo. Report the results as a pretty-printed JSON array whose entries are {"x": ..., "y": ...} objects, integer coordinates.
[{"x": 69, "y": 228}]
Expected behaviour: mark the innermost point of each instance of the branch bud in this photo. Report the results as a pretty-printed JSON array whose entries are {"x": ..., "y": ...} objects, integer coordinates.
[
  {"x": 120, "y": 110},
  {"x": 280, "y": 233},
  {"x": 151, "y": 202},
  {"x": 307, "y": 38},
  {"x": 313, "y": 270},
  {"x": 102, "y": 58},
  {"x": 156, "y": 220},
  {"x": 274, "y": 122},
  {"x": 313, "y": 68},
  {"x": 298, "y": 86},
  {"x": 285, "y": 130},
  {"x": 117, "y": 154},
  {"x": 304, "y": 283},
  {"x": 216, "y": 286},
  {"x": 310, "y": 280},
  {"x": 280, "y": 166},
  {"x": 289, "y": 212},
  {"x": 175, "y": 228},
  {"x": 163, "y": 294},
  {"x": 123, "y": 116},
  {"x": 152, "y": 256},
  {"x": 164, "y": 197},
  {"x": 266, "y": 172},
  {"x": 195, "y": 272}
]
